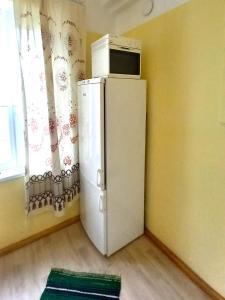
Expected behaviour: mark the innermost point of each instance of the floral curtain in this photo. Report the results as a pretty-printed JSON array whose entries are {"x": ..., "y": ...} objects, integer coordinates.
[{"x": 51, "y": 40}]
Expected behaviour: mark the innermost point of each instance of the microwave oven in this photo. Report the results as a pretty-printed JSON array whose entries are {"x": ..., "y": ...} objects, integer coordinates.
[{"x": 116, "y": 56}]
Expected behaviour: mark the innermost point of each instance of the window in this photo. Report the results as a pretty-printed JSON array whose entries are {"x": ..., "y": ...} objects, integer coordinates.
[{"x": 11, "y": 137}]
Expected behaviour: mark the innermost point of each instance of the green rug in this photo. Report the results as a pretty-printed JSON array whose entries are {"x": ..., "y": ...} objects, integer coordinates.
[{"x": 65, "y": 285}]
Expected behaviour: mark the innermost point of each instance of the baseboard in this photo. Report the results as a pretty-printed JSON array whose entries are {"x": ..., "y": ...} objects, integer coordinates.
[
  {"x": 181, "y": 265},
  {"x": 38, "y": 236}
]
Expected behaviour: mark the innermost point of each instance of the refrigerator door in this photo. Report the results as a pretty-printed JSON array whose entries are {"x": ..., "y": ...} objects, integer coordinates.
[
  {"x": 91, "y": 158},
  {"x": 125, "y": 116},
  {"x": 91, "y": 131}
]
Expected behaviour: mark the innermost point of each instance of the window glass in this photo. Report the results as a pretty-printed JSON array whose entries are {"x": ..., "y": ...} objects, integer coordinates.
[
  {"x": 5, "y": 149},
  {"x": 11, "y": 151}
]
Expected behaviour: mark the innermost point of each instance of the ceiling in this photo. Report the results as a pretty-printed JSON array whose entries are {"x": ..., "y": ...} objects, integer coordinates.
[
  {"x": 119, "y": 16},
  {"x": 116, "y": 6}
]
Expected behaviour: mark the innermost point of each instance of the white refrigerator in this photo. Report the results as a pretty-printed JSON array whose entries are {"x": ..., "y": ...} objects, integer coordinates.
[{"x": 112, "y": 121}]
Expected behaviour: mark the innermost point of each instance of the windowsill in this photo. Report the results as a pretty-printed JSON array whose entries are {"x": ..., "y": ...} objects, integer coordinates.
[{"x": 11, "y": 174}]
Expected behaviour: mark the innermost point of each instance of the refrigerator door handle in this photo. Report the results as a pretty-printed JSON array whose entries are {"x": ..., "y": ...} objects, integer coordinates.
[
  {"x": 100, "y": 181},
  {"x": 101, "y": 203}
]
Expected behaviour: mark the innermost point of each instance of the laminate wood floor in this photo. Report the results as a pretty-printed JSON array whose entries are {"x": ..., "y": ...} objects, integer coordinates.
[{"x": 147, "y": 274}]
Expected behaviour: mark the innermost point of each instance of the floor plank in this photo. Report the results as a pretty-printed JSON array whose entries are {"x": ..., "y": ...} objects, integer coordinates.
[{"x": 147, "y": 274}]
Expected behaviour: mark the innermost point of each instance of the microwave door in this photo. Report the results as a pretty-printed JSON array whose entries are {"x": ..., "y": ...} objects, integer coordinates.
[{"x": 124, "y": 62}]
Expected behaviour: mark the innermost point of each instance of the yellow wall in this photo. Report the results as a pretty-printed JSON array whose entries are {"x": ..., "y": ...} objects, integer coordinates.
[
  {"x": 91, "y": 37},
  {"x": 14, "y": 225},
  {"x": 184, "y": 62}
]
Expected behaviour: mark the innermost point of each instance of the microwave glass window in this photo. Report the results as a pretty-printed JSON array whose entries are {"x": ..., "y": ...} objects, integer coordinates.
[{"x": 124, "y": 62}]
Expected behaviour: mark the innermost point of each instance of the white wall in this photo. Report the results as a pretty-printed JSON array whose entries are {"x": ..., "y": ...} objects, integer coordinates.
[{"x": 98, "y": 19}]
